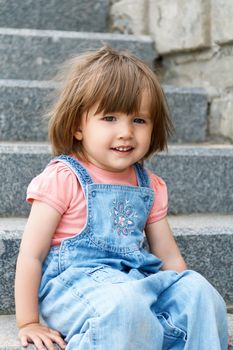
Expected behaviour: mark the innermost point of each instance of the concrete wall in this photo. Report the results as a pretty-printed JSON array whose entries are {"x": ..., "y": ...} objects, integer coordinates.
[{"x": 194, "y": 40}]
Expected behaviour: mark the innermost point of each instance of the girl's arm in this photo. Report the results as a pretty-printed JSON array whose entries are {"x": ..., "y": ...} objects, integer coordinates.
[
  {"x": 35, "y": 244},
  {"x": 163, "y": 245}
]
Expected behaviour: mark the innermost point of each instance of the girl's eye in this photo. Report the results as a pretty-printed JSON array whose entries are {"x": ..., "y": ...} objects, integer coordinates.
[
  {"x": 109, "y": 118},
  {"x": 139, "y": 121}
]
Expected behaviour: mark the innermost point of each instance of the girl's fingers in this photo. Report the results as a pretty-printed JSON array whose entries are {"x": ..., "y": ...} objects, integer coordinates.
[
  {"x": 24, "y": 340},
  {"x": 58, "y": 340},
  {"x": 38, "y": 343},
  {"x": 48, "y": 343},
  {"x": 42, "y": 337}
]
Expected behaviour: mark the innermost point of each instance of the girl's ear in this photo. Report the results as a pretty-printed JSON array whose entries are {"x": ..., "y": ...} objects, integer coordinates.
[{"x": 78, "y": 135}]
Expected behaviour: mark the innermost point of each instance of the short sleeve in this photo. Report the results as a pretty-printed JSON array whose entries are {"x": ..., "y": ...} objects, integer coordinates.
[
  {"x": 53, "y": 186},
  {"x": 160, "y": 205}
]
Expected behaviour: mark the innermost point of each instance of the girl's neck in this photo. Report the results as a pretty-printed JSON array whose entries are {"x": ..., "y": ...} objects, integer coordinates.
[{"x": 94, "y": 168}]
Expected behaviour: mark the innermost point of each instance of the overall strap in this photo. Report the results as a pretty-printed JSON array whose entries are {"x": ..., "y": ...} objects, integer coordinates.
[
  {"x": 142, "y": 175},
  {"x": 81, "y": 173},
  {"x": 85, "y": 179}
]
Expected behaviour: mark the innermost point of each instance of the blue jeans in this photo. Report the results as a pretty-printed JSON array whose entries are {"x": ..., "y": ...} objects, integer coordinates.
[{"x": 103, "y": 291}]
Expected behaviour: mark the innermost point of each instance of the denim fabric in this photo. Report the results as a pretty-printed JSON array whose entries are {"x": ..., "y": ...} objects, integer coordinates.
[{"x": 102, "y": 290}]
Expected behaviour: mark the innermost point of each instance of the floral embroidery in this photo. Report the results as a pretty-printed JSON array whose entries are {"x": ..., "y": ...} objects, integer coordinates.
[{"x": 123, "y": 217}]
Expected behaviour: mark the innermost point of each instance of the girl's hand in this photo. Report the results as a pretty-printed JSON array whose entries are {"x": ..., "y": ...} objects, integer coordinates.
[{"x": 42, "y": 336}]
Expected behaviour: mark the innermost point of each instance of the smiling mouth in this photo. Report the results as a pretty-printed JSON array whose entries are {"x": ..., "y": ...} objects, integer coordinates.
[{"x": 122, "y": 149}]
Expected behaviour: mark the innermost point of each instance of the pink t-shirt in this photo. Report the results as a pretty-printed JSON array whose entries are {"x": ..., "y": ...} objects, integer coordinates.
[{"x": 59, "y": 187}]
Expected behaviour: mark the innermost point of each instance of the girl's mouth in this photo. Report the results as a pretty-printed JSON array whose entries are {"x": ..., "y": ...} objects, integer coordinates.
[{"x": 122, "y": 148}]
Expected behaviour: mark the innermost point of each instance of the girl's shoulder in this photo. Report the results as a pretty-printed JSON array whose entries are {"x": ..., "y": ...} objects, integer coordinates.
[
  {"x": 55, "y": 185},
  {"x": 156, "y": 181},
  {"x": 54, "y": 172}
]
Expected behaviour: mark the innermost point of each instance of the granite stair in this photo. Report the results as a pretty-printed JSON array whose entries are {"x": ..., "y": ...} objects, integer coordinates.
[
  {"x": 72, "y": 15},
  {"x": 24, "y": 102},
  {"x": 198, "y": 176},
  {"x": 35, "y": 54}
]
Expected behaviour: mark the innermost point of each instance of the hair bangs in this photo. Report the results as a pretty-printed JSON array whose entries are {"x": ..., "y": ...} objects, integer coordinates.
[{"x": 120, "y": 88}]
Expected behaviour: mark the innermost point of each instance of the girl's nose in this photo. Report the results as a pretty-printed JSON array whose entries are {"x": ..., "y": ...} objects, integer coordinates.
[{"x": 126, "y": 131}]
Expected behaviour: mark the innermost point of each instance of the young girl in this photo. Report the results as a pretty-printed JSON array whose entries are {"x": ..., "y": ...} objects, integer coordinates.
[{"x": 82, "y": 260}]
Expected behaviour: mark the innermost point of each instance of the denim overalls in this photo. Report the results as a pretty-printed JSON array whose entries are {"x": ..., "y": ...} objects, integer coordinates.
[{"x": 103, "y": 291}]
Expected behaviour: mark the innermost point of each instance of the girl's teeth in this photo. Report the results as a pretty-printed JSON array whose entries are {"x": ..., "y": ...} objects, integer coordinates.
[{"x": 123, "y": 149}]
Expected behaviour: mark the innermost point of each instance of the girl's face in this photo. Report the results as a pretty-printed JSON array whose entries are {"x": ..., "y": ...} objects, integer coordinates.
[{"x": 115, "y": 141}]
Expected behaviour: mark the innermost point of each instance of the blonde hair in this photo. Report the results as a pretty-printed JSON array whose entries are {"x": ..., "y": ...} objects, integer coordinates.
[{"x": 116, "y": 80}]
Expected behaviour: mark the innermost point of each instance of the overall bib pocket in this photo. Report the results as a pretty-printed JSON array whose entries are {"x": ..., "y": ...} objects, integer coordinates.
[{"x": 105, "y": 274}]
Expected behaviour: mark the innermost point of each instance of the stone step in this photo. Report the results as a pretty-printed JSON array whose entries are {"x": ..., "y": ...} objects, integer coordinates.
[
  {"x": 199, "y": 177},
  {"x": 91, "y": 15},
  {"x": 206, "y": 242},
  {"x": 23, "y": 102},
  {"x": 32, "y": 54},
  {"x": 8, "y": 333},
  {"x": 22, "y": 106},
  {"x": 188, "y": 108}
]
